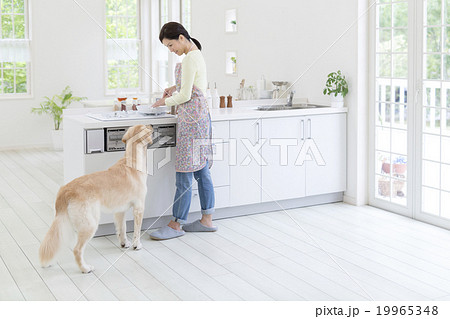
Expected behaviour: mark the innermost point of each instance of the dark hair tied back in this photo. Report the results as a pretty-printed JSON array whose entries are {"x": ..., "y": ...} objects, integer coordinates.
[{"x": 172, "y": 31}]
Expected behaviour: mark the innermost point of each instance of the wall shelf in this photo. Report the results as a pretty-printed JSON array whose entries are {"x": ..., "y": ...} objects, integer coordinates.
[
  {"x": 231, "y": 21},
  {"x": 231, "y": 63}
]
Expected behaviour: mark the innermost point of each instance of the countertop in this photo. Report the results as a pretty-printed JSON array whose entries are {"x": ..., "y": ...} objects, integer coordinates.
[{"x": 242, "y": 111}]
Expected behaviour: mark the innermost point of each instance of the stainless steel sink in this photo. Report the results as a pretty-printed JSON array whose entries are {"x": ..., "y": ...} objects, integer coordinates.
[{"x": 285, "y": 107}]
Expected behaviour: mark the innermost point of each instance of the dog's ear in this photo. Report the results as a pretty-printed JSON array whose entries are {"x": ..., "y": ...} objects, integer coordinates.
[{"x": 128, "y": 134}]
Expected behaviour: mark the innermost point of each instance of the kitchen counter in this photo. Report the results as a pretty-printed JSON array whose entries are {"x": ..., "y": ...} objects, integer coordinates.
[
  {"x": 315, "y": 172},
  {"x": 242, "y": 112}
]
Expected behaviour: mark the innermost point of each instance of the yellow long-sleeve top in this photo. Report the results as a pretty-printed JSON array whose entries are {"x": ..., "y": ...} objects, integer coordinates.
[{"x": 193, "y": 72}]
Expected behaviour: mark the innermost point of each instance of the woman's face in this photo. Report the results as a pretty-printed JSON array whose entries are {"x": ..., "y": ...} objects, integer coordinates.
[{"x": 176, "y": 46}]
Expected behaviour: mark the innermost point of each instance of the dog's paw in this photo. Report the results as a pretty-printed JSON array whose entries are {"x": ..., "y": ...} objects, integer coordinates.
[
  {"x": 87, "y": 269},
  {"x": 137, "y": 246},
  {"x": 126, "y": 244}
]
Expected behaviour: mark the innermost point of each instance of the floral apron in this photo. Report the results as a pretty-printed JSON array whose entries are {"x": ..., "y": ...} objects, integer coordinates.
[{"x": 194, "y": 148}]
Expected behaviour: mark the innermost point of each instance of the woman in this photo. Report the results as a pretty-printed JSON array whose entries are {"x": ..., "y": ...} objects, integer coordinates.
[{"x": 193, "y": 150}]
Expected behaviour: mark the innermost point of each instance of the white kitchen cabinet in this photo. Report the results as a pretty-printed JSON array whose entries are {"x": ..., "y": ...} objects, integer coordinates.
[
  {"x": 222, "y": 198},
  {"x": 329, "y": 134},
  {"x": 282, "y": 176},
  {"x": 305, "y": 155},
  {"x": 245, "y": 165}
]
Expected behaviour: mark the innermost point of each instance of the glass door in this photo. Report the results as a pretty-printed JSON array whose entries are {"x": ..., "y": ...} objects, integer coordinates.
[
  {"x": 390, "y": 156},
  {"x": 434, "y": 206}
]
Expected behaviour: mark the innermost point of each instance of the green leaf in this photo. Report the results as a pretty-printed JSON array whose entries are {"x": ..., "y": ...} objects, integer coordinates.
[{"x": 55, "y": 106}]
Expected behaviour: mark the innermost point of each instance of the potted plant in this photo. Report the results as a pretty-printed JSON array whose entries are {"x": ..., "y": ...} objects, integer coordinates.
[
  {"x": 233, "y": 25},
  {"x": 399, "y": 165},
  {"x": 337, "y": 88},
  {"x": 384, "y": 186},
  {"x": 233, "y": 61},
  {"x": 54, "y": 107},
  {"x": 385, "y": 164}
]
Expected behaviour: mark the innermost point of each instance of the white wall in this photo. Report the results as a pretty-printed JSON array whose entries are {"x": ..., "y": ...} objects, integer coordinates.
[
  {"x": 67, "y": 49},
  {"x": 282, "y": 40},
  {"x": 278, "y": 39}
]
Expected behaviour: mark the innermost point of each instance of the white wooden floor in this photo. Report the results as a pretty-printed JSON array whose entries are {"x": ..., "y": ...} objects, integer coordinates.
[{"x": 328, "y": 252}]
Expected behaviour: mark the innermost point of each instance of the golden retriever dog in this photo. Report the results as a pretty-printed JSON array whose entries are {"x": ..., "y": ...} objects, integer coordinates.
[{"x": 79, "y": 203}]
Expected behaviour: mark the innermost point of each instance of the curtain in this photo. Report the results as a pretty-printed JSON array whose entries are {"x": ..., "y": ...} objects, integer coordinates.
[
  {"x": 14, "y": 50},
  {"x": 122, "y": 49}
]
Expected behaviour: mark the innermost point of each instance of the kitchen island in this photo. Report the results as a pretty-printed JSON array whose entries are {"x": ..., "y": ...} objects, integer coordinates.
[{"x": 263, "y": 160}]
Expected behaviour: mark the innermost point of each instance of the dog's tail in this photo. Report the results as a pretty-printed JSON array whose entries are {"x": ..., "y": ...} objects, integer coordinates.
[{"x": 59, "y": 233}]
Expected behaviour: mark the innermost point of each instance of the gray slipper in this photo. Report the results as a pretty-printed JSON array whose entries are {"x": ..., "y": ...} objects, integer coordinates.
[
  {"x": 166, "y": 232},
  {"x": 198, "y": 227}
]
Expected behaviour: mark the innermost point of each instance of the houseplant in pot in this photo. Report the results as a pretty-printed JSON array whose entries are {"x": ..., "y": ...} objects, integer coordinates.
[
  {"x": 337, "y": 88},
  {"x": 54, "y": 107},
  {"x": 233, "y": 25}
]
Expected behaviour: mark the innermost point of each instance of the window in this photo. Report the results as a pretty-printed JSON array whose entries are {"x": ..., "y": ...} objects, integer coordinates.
[
  {"x": 186, "y": 14},
  {"x": 133, "y": 26},
  {"x": 14, "y": 48},
  {"x": 163, "y": 12},
  {"x": 123, "y": 48},
  {"x": 164, "y": 61}
]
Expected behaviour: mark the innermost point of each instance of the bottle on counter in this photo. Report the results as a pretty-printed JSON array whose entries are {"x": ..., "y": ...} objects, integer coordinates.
[
  {"x": 209, "y": 97},
  {"x": 215, "y": 97},
  {"x": 260, "y": 86},
  {"x": 229, "y": 101},
  {"x": 116, "y": 105},
  {"x": 135, "y": 104},
  {"x": 123, "y": 103}
]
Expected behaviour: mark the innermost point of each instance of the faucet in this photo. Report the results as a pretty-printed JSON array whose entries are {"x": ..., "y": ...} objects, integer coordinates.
[{"x": 290, "y": 98}]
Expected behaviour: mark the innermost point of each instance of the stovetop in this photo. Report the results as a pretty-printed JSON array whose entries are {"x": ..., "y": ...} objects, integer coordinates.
[{"x": 126, "y": 115}]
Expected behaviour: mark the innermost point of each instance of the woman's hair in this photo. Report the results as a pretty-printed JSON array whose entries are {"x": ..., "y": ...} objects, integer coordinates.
[{"x": 172, "y": 30}]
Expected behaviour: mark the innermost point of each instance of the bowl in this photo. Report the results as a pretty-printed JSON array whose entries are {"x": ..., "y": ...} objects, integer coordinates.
[{"x": 146, "y": 109}]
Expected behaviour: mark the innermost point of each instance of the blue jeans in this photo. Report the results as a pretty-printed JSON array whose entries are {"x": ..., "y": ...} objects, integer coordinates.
[{"x": 183, "y": 194}]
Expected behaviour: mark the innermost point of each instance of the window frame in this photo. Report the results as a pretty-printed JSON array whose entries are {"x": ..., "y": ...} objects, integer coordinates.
[
  {"x": 412, "y": 98},
  {"x": 141, "y": 36},
  {"x": 29, "y": 64},
  {"x": 149, "y": 26}
]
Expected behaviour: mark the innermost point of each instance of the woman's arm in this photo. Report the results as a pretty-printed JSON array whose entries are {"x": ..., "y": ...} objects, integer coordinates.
[
  {"x": 168, "y": 92},
  {"x": 188, "y": 71}
]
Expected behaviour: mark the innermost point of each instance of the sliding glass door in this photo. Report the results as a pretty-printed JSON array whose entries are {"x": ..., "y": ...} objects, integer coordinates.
[
  {"x": 410, "y": 146},
  {"x": 390, "y": 183},
  {"x": 435, "y": 107}
]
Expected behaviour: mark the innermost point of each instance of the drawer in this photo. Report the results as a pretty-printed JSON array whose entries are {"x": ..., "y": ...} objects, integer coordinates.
[
  {"x": 222, "y": 197},
  {"x": 221, "y": 131}
]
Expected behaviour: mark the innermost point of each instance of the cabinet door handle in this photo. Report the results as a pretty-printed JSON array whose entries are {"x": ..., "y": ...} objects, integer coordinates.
[
  {"x": 302, "y": 129},
  {"x": 95, "y": 150},
  {"x": 257, "y": 132},
  {"x": 309, "y": 121}
]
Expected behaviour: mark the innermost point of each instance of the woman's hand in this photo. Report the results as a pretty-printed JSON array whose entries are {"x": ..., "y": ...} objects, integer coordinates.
[
  {"x": 160, "y": 102},
  {"x": 169, "y": 91}
]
